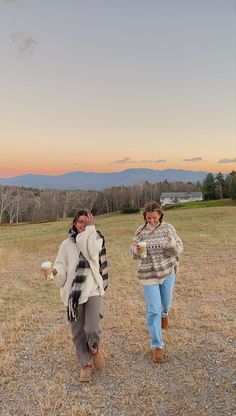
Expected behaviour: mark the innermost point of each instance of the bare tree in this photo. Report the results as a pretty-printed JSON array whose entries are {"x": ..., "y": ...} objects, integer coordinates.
[
  {"x": 37, "y": 203},
  {"x": 107, "y": 200},
  {"x": 6, "y": 195},
  {"x": 87, "y": 199},
  {"x": 14, "y": 207}
]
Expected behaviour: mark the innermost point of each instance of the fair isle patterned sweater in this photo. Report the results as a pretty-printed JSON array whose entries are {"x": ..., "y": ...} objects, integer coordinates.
[{"x": 163, "y": 249}]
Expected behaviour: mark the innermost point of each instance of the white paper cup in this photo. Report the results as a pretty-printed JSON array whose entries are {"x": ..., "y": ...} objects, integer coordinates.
[
  {"x": 46, "y": 268},
  {"x": 142, "y": 249}
]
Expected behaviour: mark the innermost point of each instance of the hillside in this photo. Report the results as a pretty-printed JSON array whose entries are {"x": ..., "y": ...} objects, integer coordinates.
[{"x": 99, "y": 181}]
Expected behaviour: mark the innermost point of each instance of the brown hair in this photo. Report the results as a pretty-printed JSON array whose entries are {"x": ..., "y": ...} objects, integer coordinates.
[
  {"x": 77, "y": 215},
  {"x": 153, "y": 207}
]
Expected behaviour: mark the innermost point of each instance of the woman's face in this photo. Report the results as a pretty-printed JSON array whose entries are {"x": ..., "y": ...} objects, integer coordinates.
[
  {"x": 80, "y": 223},
  {"x": 153, "y": 218}
]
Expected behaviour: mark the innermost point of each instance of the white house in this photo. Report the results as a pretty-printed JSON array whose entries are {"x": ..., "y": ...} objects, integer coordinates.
[{"x": 172, "y": 197}]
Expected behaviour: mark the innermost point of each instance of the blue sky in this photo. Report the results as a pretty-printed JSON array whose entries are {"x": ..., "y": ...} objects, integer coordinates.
[{"x": 106, "y": 85}]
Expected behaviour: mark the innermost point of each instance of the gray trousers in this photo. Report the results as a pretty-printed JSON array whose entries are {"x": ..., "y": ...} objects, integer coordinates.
[{"x": 86, "y": 329}]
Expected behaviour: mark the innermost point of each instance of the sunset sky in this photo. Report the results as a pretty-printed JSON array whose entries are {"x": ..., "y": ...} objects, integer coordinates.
[{"x": 106, "y": 85}]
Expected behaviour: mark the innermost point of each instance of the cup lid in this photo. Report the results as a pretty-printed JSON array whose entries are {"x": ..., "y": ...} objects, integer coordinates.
[{"x": 46, "y": 264}]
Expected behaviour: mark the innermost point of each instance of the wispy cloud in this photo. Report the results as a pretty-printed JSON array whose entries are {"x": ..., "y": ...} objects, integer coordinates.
[
  {"x": 23, "y": 44},
  {"x": 227, "y": 160},
  {"x": 14, "y": 2},
  {"x": 125, "y": 160},
  {"x": 193, "y": 159},
  {"x": 153, "y": 161},
  {"x": 129, "y": 160}
]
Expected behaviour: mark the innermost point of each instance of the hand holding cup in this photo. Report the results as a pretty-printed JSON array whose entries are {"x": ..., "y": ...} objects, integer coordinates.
[
  {"x": 47, "y": 270},
  {"x": 142, "y": 249}
]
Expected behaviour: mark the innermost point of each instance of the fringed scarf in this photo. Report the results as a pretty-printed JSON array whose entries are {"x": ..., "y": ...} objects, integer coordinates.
[{"x": 80, "y": 276}]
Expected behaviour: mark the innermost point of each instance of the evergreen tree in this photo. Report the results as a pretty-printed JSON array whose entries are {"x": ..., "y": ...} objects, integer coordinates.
[
  {"x": 226, "y": 188},
  {"x": 233, "y": 185},
  {"x": 220, "y": 181},
  {"x": 209, "y": 187}
]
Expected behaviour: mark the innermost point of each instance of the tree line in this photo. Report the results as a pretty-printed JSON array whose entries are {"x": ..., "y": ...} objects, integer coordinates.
[
  {"x": 219, "y": 187},
  {"x": 20, "y": 204}
]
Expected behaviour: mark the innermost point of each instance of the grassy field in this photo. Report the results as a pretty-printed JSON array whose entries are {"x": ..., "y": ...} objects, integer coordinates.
[
  {"x": 207, "y": 204},
  {"x": 39, "y": 370}
]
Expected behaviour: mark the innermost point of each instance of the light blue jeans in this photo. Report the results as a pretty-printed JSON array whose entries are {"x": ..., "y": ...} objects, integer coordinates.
[{"x": 158, "y": 302}]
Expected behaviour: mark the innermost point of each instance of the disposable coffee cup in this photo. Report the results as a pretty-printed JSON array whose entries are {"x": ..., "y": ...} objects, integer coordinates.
[
  {"x": 46, "y": 268},
  {"x": 142, "y": 249}
]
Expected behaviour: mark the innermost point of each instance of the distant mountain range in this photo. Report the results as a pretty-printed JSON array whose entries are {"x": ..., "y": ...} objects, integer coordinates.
[{"x": 99, "y": 181}]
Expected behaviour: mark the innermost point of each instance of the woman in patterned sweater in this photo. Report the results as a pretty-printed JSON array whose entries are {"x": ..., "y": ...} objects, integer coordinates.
[{"x": 157, "y": 271}]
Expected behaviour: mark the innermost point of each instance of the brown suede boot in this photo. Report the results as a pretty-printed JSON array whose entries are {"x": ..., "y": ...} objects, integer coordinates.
[
  {"x": 164, "y": 322},
  {"x": 86, "y": 373},
  {"x": 98, "y": 359},
  {"x": 157, "y": 355}
]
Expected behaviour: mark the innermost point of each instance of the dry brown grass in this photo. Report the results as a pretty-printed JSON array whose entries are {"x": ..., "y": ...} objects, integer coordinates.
[{"x": 39, "y": 371}]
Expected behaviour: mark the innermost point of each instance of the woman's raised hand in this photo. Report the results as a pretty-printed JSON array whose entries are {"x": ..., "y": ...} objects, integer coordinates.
[{"x": 88, "y": 218}]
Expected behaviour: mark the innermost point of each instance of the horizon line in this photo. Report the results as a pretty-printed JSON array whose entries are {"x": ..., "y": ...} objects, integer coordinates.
[{"x": 109, "y": 172}]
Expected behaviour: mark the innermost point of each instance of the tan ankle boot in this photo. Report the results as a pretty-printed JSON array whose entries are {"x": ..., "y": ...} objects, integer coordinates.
[
  {"x": 164, "y": 322},
  {"x": 86, "y": 373},
  {"x": 98, "y": 360},
  {"x": 157, "y": 355}
]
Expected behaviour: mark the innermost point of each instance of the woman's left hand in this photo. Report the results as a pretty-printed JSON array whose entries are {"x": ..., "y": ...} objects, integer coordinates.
[{"x": 89, "y": 219}]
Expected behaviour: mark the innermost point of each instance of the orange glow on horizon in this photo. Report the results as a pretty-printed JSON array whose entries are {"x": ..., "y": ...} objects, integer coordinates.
[{"x": 50, "y": 169}]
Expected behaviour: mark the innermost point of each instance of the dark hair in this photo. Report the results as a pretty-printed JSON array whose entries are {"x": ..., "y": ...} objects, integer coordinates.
[
  {"x": 153, "y": 207},
  {"x": 76, "y": 217}
]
